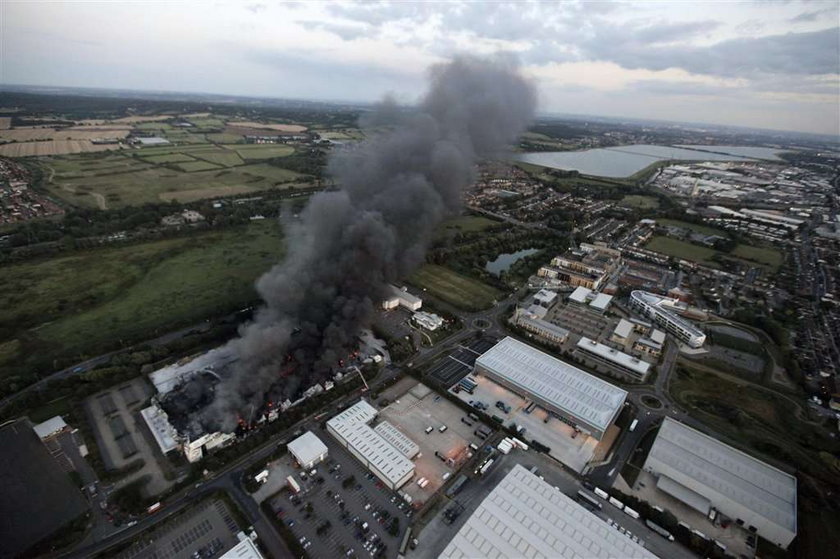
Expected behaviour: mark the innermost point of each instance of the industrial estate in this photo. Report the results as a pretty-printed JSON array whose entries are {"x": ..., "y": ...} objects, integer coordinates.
[{"x": 570, "y": 362}]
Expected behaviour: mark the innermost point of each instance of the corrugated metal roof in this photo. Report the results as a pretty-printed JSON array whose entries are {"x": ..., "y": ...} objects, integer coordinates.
[
  {"x": 526, "y": 517},
  {"x": 716, "y": 470},
  {"x": 568, "y": 388},
  {"x": 307, "y": 448}
]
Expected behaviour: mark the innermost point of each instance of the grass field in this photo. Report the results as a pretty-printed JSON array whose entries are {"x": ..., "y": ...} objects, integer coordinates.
[
  {"x": 223, "y": 138},
  {"x": 704, "y": 229},
  {"x": 263, "y": 151},
  {"x": 639, "y": 202},
  {"x": 128, "y": 178},
  {"x": 468, "y": 224},
  {"x": 457, "y": 290},
  {"x": 762, "y": 255},
  {"x": 682, "y": 250},
  {"x": 83, "y": 302},
  {"x": 193, "y": 166},
  {"x": 171, "y": 158}
]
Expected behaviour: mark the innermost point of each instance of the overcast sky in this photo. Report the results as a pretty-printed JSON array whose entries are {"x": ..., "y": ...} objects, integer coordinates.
[{"x": 768, "y": 64}]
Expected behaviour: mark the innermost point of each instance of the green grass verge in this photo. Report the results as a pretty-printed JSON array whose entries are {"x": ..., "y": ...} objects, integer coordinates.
[
  {"x": 682, "y": 250},
  {"x": 170, "y": 158},
  {"x": 193, "y": 166},
  {"x": 80, "y": 303},
  {"x": 221, "y": 157},
  {"x": 455, "y": 289},
  {"x": 224, "y": 138}
]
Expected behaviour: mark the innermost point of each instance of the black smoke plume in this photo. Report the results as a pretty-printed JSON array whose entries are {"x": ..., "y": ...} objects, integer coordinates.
[{"x": 349, "y": 244}]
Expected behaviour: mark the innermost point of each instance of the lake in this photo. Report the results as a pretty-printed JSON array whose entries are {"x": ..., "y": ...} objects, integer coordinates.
[
  {"x": 623, "y": 161},
  {"x": 503, "y": 262}
]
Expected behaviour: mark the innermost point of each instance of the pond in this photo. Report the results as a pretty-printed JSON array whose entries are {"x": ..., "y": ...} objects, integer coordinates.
[{"x": 503, "y": 262}]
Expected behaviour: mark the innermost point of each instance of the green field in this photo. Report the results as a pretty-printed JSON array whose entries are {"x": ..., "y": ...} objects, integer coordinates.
[
  {"x": 762, "y": 255},
  {"x": 170, "y": 158},
  {"x": 208, "y": 122},
  {"x": 193, "y": 166},
  {"x": 81, "y": 303},
  {"x": 455, "y": 289},
  {"x": 129, "y": 179},
  {"x": 466, "y": 224},
  {"x": 640, "y": 202},
  {"x": 263, "y": 151},
  {"x": 224, "y": 138},
  {"x": 682, "y": 250},
  {"x": 703, "y": 229}
]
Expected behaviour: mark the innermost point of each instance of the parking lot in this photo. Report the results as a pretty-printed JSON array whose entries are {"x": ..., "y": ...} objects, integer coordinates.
[
  {"x": 324, "y": 499},
  {"x": 121, "y": 434},
  {"x": 452, "y": 368},
  {"x": 441, "y": 452},
  {"x": 572, "y": 448},
  {"x": 208, "y": 530},
  {"x": 436, "y": 534}
]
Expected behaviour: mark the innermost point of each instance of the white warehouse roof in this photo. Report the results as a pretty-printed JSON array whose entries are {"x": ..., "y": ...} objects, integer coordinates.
[
  {"x": 613, "y": 355},
  {"x": 724, "y": 475},
  {"x": 379, "y": 452},
  {"x": 163, "y": 431},
  {"x": 580, "y": 294},
  {"x": 397, "y": 439},
  {"x": 307, "y": 448},
  {"x": 361, "y": 412},
  {"x": 624, "y": 328},
  {"x": 49, "y": 427},
  {"x": 245, "y": 549},
  {"x": 565, "y": 386},
  {"x": 526, "y": 517},
  {"x": 601, "y": 301}
]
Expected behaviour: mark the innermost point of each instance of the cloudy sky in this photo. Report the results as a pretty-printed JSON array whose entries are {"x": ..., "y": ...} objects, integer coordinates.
[{"x": 768, "y": 64}]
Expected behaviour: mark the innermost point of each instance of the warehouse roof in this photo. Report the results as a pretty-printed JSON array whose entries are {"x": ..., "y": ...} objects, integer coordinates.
[
  {"x": 613, "y": 355},
  {"x": 361, "y": 412},
  {"x": 526, "y": 517},
  {"x": 307, "y": 448},
  {"x": 568, "y": 388},
  {"x": 397, "y": 439},
  {"x": 712, "y": 468},
  {"x": 624, "y": 328},
  {"x": 601, "y": 301},
  {"x": 158, "y": 422},
  {"x": 49, "y": 427},
  {"x": 379, "y": 452},
  {"x": 580, "y": 294}
]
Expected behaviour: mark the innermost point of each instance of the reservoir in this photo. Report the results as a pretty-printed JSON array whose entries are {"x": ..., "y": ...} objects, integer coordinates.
[
  {"x": 623, "y": 161},
  {"x": 503, "y": 262}
]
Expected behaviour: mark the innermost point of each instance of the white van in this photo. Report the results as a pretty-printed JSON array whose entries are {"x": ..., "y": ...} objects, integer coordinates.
[
  {"x": 442, "y": 428},
  {"x": 429, "y": 429}
]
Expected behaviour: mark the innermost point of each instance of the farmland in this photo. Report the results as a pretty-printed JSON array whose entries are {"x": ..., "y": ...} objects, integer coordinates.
[
  {"x": 292, "y": 128},
  {"x": 455, "y": 289},
  {"x": 86, "y": 302},
  {"x": 185, "y": 173},
  {"x": 53, "y": 147}
]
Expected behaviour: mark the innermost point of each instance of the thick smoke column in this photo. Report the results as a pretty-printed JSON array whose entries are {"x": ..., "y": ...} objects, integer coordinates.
[{"x": 349, "y": 244}]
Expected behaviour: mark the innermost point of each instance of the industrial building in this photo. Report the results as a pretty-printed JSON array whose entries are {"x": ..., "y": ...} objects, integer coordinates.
[
  {"x": 429, "y": 321},
  {"x": 705, "y": 473},
  {"x": 351, "y": 428},
  {"x": 545, "y": 331},
  {"x": 576, "y": 397},
  {"x": 50, "y": 428},
  {"x": 663, "y": 311},
  {"x": 308, "y": 450},
  {"x": 596, "y": 301},
  {"x": 397, "y": 297},
  {"x": 397, "y": 439},
  {"x": 588, "y": 267},
  {"x": 526, "y": 517},
  {"x": 623, "y": 329},
  {"x": 633, "y": 367}
]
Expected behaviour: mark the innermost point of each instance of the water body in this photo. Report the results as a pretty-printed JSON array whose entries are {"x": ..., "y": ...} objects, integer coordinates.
[
  {"x": 623, "y": 161},
  {"x": 503, "y": 262}
]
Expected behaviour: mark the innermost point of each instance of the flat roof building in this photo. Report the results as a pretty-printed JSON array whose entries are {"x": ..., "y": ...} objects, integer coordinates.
[
  {"x": 50, "y": 427},
  {"x": 308, "y": 450},
  {"x": 580, "y": 295},
  {"x": 622, "y": 331},
  {"x": 704, "y": 472},
  {"x": 158, "y": 423},
  {"x": 579, "y": 398},
  {"x": 401, "y": 297},
  {"x": 631, "y": 366},
  {"x": 600, "y": 302},
  {"x": 545, "y": 331},
  {"x": 398, "y": 439},
  {"x": 383, "y": 459},
  {"x": 523, "y": 516},
  {"x": 663, "y": 311}
]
